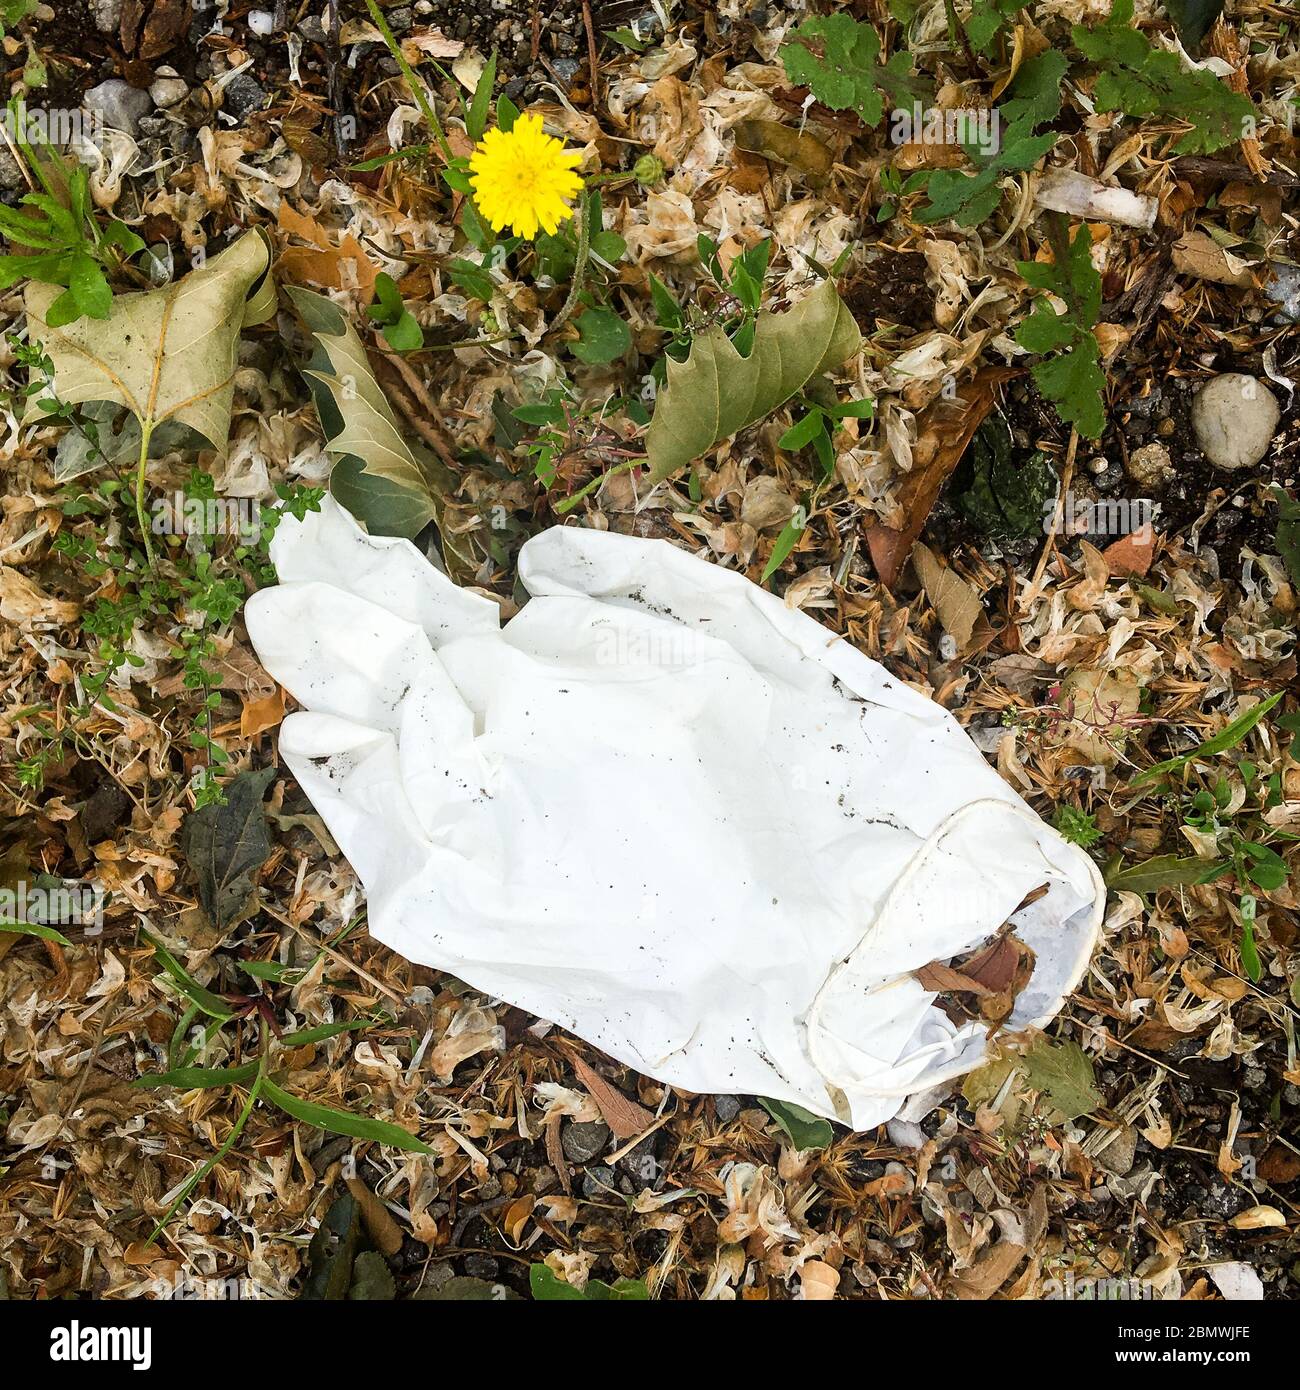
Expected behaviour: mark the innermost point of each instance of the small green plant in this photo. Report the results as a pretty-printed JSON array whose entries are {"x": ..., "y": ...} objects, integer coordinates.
[
  {"x": 817, "y": 426},
  {"x": 572, "y": 437},
  {"x": 401, "y": 332},
  {"x": 13, "y": 12},
  {"x": 1230, "y": 820},
  {"x": 192, "y": 1037},
  {"x": 1069, "y": 371},
  {"x": 987, "y": 19},
  {"x": 58, "y": 226},
  {"x": 1077, "y": 826},
  {"x": 1141, "y": 80},
  {"x": 837, "y": 58},
  {"x": 546, "y": 1287},
  {"x": 735, "y": 308},
  {"x": 202, "y": 576},
  {"x": 970, "y": 198}
]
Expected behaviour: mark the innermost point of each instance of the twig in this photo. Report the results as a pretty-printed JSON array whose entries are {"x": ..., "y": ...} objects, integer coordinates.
[
  {"x": 592, "y": 55},
  {"x": 429, "y": 430}
]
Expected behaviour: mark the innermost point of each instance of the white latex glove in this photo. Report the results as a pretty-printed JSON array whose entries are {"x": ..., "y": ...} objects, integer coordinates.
[{"x": 662, "y": 810}]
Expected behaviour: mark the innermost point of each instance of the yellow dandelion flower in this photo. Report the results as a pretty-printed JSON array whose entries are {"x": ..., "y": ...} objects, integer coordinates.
[{"x": 522, "y": 176}]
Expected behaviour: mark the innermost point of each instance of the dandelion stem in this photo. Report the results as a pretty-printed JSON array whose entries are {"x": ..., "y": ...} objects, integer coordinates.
[{"x": 579, "y": 265}]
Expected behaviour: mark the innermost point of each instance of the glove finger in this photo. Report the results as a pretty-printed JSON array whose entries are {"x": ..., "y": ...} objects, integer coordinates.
[
  {"x": 329, "y": 547},
  {"x": 660, "y": 578}
]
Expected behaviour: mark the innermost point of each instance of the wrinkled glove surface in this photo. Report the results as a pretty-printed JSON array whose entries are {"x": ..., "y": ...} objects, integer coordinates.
[{"x": 662, "y": 810}]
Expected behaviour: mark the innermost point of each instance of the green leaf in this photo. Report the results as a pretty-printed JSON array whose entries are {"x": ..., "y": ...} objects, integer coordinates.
[
  {"x": 372, "y": 1280},
  {"x": 35, "y": 929},
  {"x": 1193, "y": 19},
  {"x": 198, "y": 1078},
  {"x": 969, "y": 199},
  {"x": 343, "y": 1121},
  {"x": 333, "y": 1252},
  {"x": 1164, "y": 871},
  {"x": 507, "y": 113},
  {"x": 1287, "y": 536},
  {"x": 324, "y": 1031},
  {"x": 802, "y": 433},
  {"x": 1074, "y": 383},
  {"x": 546, "y": 1287},
  {"x": 1226, "y": 738},
  {"x": 1142, "y": 80},
  {"x": 1063, "y": 1073},
  {"x": 604, "y": 336},
  {"x": 211, "y": 1004},
  {"x": 377, "y": 474},
  {"x": 716, "y": 391},
  {"x": 1035, "y": 95},
  {"x": 667, "y": 310},
  {"x": 476, "y": 120},
  {"x": 226, "y": 844},
  {"x": 836, "y": 56},
  {"x": 1072, "y": 380},
  {"x": 803, "y": 1129},
  {"x": 165, "y": 354}
]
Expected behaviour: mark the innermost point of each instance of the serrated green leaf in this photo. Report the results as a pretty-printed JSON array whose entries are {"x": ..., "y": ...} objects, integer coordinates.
[
  {"x": 1074, "y": 383},
  {"x": 1063, "y": 1073},
  {"x": 716, "y": 391},
  {"x": 1034, "y": 97},
  {"x": 1141, "y": 80},
  {"x": 836, "y": 57}
]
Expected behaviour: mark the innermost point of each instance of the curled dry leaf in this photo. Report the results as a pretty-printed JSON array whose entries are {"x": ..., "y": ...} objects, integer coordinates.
[
  {"x": 716, "y": 391},
  {"x": 946, "y": 428}
]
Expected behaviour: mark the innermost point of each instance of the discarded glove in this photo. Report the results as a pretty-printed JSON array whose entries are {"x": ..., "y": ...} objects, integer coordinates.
[{"x": 662, "y": 810}]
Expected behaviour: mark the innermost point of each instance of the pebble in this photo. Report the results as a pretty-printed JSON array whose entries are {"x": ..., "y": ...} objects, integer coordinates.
[
  {"x": 641, "y": 1164},
  {"x": 599, "y": 1183},
  {"x": 1234, "y": 417},
  {"x": 11, "y": 176},
  {"x": 261, "y": 22},
  {"x": 107, "y": 15},
  {"x": 119, "y": 104},
  {"x": 168, "y": 91},
  {"x": 1150, "y": 467},
  {"x": 242, "y": 95},
  {"x": 726, "y": 1108},
  {"x": 583, "y": 1140},
  {"x": 481, "y": 1266}
]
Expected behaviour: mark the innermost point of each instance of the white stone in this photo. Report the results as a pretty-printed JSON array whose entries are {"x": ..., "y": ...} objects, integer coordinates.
[
  {"x": 1234, "y": 417},
  {"x": 167, "y": 91}
]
